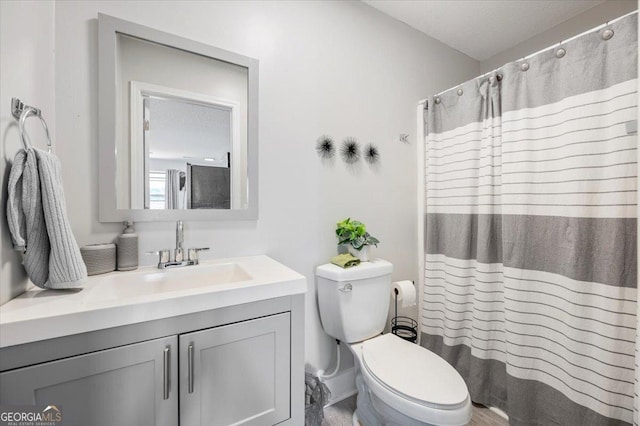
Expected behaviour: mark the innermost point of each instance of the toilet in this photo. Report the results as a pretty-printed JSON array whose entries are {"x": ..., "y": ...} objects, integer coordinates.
[{"x": 399, "y": 383}]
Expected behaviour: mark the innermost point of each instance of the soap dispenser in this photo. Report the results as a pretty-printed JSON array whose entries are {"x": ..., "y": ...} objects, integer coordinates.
[{"x": 128, "y": 248}]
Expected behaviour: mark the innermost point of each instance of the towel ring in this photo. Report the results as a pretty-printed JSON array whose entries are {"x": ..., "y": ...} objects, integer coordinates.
[{"x": 23, "y": 117}]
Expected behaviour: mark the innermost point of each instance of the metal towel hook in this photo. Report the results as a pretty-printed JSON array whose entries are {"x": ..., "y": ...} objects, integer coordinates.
[{"x": 21, "y": 112}]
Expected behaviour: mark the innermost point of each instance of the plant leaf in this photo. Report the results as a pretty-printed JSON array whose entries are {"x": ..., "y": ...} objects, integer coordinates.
[
  {"x": 371, "y": 240},
  {"x": 358, "y": 242},
  {"x": 343, "y": 240}
]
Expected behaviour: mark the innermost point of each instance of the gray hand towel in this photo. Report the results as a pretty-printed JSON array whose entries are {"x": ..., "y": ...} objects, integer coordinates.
[{"x": 38, "y": 221}]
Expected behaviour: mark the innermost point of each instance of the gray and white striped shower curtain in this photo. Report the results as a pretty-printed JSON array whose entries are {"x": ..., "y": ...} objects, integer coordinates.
[{"x": 530, "y": 286}]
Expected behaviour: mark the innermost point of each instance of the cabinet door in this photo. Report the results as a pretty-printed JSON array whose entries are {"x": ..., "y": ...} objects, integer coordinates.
[
  {"x": 238, "y": 374},
  {"x": 130, "y": 385}
]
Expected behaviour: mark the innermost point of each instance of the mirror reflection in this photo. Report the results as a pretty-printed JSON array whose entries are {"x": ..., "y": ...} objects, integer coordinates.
[{"x": 183, "y": 129}]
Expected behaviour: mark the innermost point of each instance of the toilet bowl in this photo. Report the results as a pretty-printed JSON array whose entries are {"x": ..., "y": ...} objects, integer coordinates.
[
  {"x": 399, "y": 383},
  {"x": 409, "y": 385}
]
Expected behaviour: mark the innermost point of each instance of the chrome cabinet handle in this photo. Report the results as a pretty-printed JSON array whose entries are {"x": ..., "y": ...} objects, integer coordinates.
[
  {"x": 347, "y": 288},
  {"x": 190, "y": 366},
  {"x": 166, "y": 374}
]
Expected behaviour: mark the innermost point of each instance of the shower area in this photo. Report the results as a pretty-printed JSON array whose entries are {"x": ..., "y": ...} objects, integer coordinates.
[{"x": 530, "y": 232}]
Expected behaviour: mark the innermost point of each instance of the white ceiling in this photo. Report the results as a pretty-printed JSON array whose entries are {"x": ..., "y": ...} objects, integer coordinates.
[
  {"x": 186, "y": 131},
  {"x": 482, "y": 28}
]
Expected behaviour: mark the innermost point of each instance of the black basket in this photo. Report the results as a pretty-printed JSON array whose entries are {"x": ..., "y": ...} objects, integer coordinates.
[{"x": 404, "y": 327}]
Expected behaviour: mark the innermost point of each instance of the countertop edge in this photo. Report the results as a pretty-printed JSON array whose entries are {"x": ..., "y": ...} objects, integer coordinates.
[{"x": 34, "y": 328}]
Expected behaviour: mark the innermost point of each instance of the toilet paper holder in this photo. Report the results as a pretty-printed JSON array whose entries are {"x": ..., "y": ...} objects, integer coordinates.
[{"x": 403, "y": 327}]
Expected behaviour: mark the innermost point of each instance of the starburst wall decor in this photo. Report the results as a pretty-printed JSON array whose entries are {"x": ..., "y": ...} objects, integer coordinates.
[
  {"x": 324, "y": 147},
  {"x": 350, "y": 150},
  {"x": 371, "y": 153}
]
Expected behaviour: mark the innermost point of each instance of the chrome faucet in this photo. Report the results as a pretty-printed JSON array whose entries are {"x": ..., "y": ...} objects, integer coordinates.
[
  {"x": 179, "y": 254},
  {"x": 164, "y": 260}
]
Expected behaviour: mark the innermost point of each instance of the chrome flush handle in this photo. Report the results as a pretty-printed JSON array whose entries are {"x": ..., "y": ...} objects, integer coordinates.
[{"x": 347, "y": 288}]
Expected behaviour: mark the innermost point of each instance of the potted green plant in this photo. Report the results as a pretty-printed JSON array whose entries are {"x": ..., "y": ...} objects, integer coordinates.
[{"x": 354, "y": 236}]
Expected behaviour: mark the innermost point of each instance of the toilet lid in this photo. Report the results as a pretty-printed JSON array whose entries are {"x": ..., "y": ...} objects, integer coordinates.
[{"x": 413, "y": 371}]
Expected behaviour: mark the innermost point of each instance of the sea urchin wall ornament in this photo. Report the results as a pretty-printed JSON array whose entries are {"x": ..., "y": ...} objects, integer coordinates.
[
  {"x": 324, "y": 147},
  {"x": 371, "y": 154},
  {"x": 350, "y": 150}
]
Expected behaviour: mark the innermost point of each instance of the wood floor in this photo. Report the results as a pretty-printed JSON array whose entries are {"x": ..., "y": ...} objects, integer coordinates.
[
  {"x": 340, "y": 415},
  {"x": 482, "y": 416}
]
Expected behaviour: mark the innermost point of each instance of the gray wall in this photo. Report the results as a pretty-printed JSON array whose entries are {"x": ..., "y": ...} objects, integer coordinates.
[
  {"x": 340, "y": 68},
  {"x": 26, "y": 69}
]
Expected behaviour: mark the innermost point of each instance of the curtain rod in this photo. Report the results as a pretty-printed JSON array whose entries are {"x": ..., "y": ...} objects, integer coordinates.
[{"x": 599, "y": 27}]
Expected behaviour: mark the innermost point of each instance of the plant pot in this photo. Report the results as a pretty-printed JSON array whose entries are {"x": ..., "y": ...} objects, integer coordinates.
[{"x": 362, "y": 254}]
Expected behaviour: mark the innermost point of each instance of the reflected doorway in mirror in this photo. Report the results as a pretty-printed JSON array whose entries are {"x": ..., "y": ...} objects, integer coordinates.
[{"x": 172, "y": 130}]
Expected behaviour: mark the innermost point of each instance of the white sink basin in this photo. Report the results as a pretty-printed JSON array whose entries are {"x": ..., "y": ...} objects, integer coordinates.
[
  {"x": 123, "y": 298},
  {"x": 154, "y": 281}
]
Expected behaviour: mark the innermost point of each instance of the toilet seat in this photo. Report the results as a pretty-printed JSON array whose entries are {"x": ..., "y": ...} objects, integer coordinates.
[{"x": 415, "y": 381}]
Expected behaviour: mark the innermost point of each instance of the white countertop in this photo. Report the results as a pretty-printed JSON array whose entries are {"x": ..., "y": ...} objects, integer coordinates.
[{"x": 146, "y": 294}]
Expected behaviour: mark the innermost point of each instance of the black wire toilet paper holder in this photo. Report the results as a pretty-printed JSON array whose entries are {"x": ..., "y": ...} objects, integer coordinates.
[{"x": 404, "y": 327}]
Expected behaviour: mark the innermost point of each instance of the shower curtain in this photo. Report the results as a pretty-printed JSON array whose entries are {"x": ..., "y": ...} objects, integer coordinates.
[
  {"x": 530, "y": 232},
  {"x": 172, "y": 189}
]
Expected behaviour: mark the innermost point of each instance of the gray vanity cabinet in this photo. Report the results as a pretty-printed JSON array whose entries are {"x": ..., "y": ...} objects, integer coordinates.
[
  {"x": 236, "y": 374},
  {"x": 129, "y": 385},
  {"x": 238, "y": 365}
]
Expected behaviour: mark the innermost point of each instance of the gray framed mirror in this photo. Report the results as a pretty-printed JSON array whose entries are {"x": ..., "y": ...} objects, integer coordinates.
[{"x": 178, "y": 127}]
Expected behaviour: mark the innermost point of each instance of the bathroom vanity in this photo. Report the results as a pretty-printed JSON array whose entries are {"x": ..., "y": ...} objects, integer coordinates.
[{"x": 214, "y": 344}]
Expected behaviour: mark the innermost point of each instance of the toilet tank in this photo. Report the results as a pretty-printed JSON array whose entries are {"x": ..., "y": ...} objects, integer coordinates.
[{"x": 354, "y": 302}]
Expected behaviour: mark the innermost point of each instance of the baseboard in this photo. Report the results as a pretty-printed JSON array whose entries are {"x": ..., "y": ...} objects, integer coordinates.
[{"x": 342, "y": 385}]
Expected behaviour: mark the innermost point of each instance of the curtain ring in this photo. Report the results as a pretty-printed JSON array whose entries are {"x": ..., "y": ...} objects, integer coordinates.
[
  {"x": 560, "y": 53},
  {"x": 437, "y": 100},
  {"x": 459, "y": 92},
  {"x": 607, "y": 34}
]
